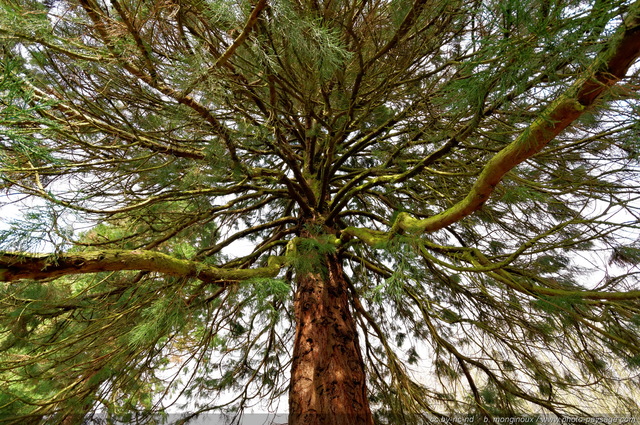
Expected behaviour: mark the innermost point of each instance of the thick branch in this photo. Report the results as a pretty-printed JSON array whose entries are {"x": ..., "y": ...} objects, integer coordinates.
[
  {"x": 15, "y": 266},
  {"x": 609, "y": 67}
]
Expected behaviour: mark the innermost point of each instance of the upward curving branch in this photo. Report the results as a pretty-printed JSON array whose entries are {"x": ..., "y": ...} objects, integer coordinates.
[{"x": 608, "y": 68}]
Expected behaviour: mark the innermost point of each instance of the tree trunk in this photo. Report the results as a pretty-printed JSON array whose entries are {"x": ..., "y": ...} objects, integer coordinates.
[{"x": 327, "y": 377}]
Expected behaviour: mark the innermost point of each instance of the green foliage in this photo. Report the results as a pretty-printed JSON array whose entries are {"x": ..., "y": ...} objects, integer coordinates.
[
  {"x": 552, "y": 263},
  {"x": 445, "y": 369},
  {"x": 36, "y": 231},
  {"x": 157, "y": 320},
  {"x": 184, "y": 250},
  {"x": 51, "y": 328},
  {"x": 379, "y": 116},
  {"x": 308, "y": 45},
  {"x": 268, "y": 291},
  {"x": 625, "y": 255},
  {"x": 301, "y": 130},
  {"x": 309, "y": 254},
  {"x": 392, "y": 288},
  {"x": 633, "y": 361},
  {"x": 558, "y": 305},
  {"x": 489, "y": 395},
  {"x": 450, "y": 316},
  {"x": 520, "y": 194}
]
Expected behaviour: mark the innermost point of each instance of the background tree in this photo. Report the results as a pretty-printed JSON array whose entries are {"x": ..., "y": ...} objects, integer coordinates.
[{"x": 420, "y": 183}]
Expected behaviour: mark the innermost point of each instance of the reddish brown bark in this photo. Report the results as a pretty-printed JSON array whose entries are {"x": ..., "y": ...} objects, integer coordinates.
[{"x": 327, "y": 378}]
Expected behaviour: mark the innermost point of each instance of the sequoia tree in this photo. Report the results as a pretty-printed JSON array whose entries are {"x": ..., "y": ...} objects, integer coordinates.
[{"x": 380, "y": 209}]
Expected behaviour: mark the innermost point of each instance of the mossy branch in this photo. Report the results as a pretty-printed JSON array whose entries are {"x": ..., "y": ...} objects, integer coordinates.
[
  {"x": 16, "y": 266},
  {"x": 608, "y": 68},
  {"x": 606, "y": 71}
]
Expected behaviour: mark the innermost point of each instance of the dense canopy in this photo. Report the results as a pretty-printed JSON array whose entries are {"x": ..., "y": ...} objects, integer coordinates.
[{"x": 379, "y": 209}]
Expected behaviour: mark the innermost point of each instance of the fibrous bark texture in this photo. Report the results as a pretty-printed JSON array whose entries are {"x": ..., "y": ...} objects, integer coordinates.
[{"x": 327, "y": 378}]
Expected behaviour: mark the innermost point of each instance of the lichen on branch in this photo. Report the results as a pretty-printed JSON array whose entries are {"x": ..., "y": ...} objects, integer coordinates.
[
  {"x": 16, "y": 266},
  {"x": 607, "y": 69}
]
